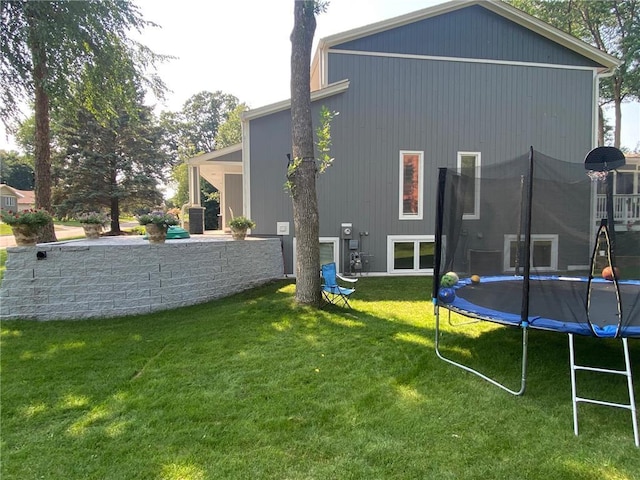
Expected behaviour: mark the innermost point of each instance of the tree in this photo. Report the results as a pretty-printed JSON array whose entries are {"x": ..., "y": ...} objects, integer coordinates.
[
  {"x": 16, "y": 170},
  {"x": 230, "y": 132},
  {"x": 612, "y": 26},
  {"x": 45, "y": 47},
  {"x": 301, "y": 174},
  {"x": 114, "y": 166}
]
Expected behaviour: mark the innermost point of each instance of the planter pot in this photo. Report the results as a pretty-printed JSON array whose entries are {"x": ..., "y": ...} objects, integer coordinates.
[
  {"x": 92, "y": 230},
  {"x": 238, "y": 233},
  {"x": 25, "y": 235},
  {"x": 156, "y": 233}
]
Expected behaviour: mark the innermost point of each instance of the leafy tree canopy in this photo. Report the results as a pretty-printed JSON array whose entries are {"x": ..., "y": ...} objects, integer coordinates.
[
  {"x": 72, "y": 36},
  {"x": 16, "y": 170}
]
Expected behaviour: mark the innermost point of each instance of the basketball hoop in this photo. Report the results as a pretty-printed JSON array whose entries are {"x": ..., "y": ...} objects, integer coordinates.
[{"x": 597, "y": 176}]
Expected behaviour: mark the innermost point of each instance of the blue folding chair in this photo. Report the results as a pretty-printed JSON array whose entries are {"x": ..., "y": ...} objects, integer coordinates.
[{"x": 331, "y": 291}]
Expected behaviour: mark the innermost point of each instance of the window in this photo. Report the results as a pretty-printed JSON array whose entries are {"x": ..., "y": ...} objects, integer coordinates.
[
  {"x": 10, "y": 201},
  {"x": 328, "y": 251},
  {"x": 469, "y": 166},
  {"x": 544, "y": 252},
  {"x": 410, "y": 253},
  {"x": 411, "y": 173}
]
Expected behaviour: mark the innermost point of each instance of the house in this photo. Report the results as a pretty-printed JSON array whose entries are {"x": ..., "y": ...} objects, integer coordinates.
[
  {"x": 464, "y": 85},
  {"x": 16, "y": 200},
  {"x": 626, "y": 195}
]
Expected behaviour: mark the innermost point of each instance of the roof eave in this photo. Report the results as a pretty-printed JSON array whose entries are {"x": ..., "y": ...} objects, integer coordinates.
[{"x": 328, "y": 91}]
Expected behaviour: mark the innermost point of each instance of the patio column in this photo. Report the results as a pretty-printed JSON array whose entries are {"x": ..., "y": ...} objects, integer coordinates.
[{"x": 194, "y": 185}]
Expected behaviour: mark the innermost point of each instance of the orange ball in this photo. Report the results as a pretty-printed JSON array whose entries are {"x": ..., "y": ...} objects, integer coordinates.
[{"x": 607, "y": 273}]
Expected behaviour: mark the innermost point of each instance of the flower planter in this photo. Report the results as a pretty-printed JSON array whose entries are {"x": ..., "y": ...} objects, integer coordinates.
[
  {"x": 25, "y": 235},
  {"x": 156, "y": 233},
  {"x": 92, "y": 230},
  {"x": 238, "y": 233}
]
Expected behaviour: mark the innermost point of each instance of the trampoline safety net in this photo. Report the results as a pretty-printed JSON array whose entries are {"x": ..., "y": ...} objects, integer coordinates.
[{"x": 524, "y": 238}]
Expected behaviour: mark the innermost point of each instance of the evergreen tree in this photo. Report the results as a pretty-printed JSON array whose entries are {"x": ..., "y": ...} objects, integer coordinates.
[{"x": 117, "y": 166}]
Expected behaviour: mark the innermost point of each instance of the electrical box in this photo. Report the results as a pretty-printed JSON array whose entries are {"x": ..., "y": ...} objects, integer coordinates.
[
  {"x": 282, "y": 228},
  {"x": 346, "y": 231}
]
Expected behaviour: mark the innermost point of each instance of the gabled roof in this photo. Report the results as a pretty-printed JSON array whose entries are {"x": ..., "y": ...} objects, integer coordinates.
[
  {"x": 214, "y": 155},
  {"x": 501, "y": 8}
]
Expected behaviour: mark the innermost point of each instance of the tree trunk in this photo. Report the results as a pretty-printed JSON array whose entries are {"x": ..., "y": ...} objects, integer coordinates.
[
  {"x": 303, "y": 178},
  {"x": 42, "y": 147},
  {"x": 113, "y": 187},
  {"x": 617, "y": 104},
  {"x": 600, "y": 126}
]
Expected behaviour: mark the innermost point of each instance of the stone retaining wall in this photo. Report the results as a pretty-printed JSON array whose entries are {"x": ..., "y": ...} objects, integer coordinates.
[{"x": 126, "y": 275}]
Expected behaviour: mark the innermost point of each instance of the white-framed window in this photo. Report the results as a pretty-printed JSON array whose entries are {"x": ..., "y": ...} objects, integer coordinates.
[
  {"x": 544, "y": 252},
  {"x": 411, "y": 170},
  {"x": 410, "y": 253},
  {"x": 329, "y": 251},
  {"x": 469, "y": 164},
  {"x": 10, "y": 201}
]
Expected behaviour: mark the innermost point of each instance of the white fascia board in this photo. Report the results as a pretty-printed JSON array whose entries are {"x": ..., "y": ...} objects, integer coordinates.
[
  {"x": 328, "y": 91},
  {"x": 205, "y": 157}
]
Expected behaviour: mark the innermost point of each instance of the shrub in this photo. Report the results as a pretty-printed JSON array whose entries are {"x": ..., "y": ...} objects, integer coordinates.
[{"x": 32, "y": 217}]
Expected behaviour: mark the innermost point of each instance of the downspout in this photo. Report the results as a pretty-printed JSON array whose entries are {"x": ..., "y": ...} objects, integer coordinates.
[{"x": 246, "y": 168}]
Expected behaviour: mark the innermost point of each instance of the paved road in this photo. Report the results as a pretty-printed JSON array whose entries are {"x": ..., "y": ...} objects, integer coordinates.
[{"x": 62, "y": 232}]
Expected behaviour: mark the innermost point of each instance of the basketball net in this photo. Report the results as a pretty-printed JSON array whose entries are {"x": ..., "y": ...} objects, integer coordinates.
[{"x": 597, "y": 176}]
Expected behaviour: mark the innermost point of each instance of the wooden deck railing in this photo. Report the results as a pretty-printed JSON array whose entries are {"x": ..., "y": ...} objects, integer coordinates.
[{"x": 626, "y": 208}]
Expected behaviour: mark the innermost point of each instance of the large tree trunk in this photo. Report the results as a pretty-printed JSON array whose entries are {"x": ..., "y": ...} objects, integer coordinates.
[
  {"x": 600, "y": 126},
  {"x": 303, "y": 178},
  {"x": 617, "y": 105},
  {"x": 42, "y": 148}
]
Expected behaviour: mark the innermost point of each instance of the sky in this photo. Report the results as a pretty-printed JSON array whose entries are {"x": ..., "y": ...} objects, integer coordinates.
[{"x": 242, "y": 47}]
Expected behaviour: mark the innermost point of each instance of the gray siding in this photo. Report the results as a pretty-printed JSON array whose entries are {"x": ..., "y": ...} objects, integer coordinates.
[
  {"x": 472, "y": 32},
  {"x": 436, "y": 106},
  {"x": 233, "y": 195}
]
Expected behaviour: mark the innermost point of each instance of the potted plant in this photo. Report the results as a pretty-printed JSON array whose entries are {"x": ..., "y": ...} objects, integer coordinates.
[
  {"x": 26, "y": 225},
  {"x": 92, "y": 223},
  {"x": 239, "y": 227},
  {"x": 157, "y": 224}
]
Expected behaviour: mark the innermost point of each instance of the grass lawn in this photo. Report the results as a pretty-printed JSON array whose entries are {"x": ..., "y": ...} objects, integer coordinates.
[{"x": 254, "y": 387}]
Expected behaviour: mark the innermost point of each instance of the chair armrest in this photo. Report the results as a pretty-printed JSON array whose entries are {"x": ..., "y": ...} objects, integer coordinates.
[{"x": 345, "y": 279}]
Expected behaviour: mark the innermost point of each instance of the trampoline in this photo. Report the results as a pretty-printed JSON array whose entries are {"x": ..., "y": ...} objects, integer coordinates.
[
  {"x": 526, "y": 250},
  {"x": 556, "y": 303}
]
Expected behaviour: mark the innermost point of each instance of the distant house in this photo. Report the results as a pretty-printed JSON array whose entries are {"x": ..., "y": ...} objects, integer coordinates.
[
  {"x": 464, "y": 85},
  {"x": 626, "y": 195},
  {"x": 16, "y": 200}
]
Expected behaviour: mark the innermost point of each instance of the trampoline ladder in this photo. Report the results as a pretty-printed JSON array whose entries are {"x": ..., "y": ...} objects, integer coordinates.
[{"x": 626, "y": 372}]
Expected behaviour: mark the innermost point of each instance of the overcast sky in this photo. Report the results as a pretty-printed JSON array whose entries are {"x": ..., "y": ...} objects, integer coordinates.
[{"x": 242, "y": 47}]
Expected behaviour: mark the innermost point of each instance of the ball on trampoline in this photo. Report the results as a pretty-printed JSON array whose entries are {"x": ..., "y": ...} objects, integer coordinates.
[
  {"x": 446, "y": 294},
  {"x": 475, "y": 278},
  {"x": 607, "y": 273},
  {"x": 454, "y": 275},
  {"x": 448, "y": 280}
]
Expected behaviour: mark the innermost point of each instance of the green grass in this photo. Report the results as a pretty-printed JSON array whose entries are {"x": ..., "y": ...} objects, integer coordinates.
[{"x": 254, "y": 387}]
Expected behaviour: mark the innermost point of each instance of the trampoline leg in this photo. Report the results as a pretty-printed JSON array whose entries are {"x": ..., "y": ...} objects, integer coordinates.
[
  {"x": 574, "y": 395},
  {"x": 523, "y": 377},
  {"x": 632, "y": 400}
]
